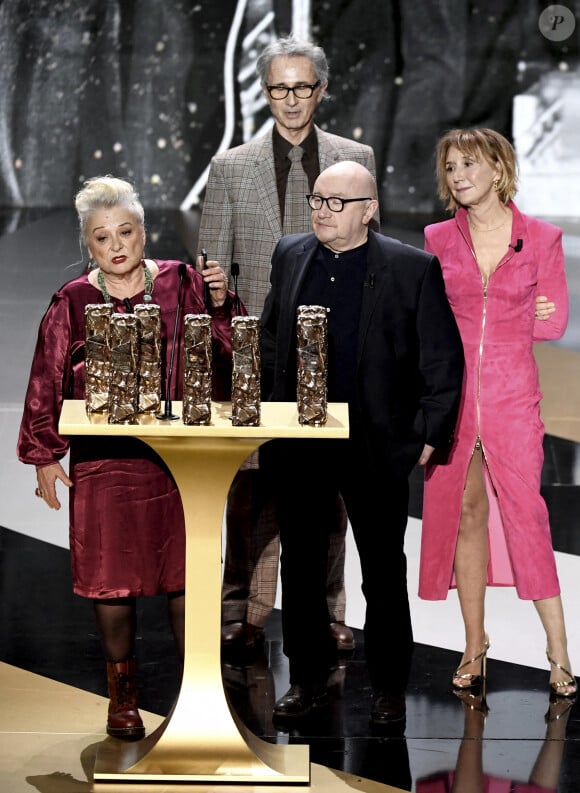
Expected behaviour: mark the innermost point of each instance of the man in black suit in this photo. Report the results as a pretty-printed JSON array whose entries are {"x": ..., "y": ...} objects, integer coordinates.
[{"x": 395, "y": 356}]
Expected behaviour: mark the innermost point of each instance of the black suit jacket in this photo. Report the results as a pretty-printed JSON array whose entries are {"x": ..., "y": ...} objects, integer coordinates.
[{"x": 409, "y": 358}]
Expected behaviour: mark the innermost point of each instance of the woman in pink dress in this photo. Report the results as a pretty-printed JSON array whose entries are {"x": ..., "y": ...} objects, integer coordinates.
[
  {"x": 484, "y": 520},
  {"x": 127, "y": 535}
]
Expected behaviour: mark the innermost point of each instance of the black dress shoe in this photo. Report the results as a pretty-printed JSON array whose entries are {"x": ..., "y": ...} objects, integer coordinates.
[
  {"x": 388, "y": 709},
  {"x": 342, "y": 635},
  {"x": 241, "y": 635},
  {"x": 300, "y": 700}
]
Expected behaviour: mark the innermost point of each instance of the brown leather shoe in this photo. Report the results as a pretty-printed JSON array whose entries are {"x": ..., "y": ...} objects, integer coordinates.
[
  {"x": 253, "y": 635},
  {"x": 241, "y": 635},
  {"x": 342, "y": 635},
  {"x": 123, "y": 720},
  {"x": 232, "y": 632}
]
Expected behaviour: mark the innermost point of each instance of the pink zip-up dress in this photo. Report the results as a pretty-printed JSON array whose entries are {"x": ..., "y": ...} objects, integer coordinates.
[{"x": 500, "y": 406}]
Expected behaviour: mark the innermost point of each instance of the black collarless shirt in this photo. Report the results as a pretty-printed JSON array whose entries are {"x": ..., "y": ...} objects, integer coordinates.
[{"x": 335, "y": 281}]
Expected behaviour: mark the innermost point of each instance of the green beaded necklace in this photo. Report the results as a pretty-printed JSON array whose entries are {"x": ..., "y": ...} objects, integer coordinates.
[{"x": 148, "y": 285}]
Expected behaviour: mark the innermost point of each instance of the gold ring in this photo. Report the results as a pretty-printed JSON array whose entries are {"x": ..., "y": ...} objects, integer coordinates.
[{"x": 38, "y": 493}]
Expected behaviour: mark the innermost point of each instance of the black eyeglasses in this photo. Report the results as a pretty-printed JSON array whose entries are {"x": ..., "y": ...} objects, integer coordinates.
[
  {"x": 333, "y": 202},
  {"x": 299, "y": 91}
]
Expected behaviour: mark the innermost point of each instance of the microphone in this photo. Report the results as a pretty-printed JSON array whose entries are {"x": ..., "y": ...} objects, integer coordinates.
[
  {"x": 206, "y": 291},
  {"x": 128, "y": 306},
  {"x": 167, "y": 414},
  {"x": 235, "y": 271},
  {"x": 518, "y": 246},
  {"x": 371, "y": 281}
]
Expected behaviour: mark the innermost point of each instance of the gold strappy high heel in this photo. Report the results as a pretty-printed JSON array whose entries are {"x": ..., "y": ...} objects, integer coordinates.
[
  {"x": 472, "y": 681},
  {"x": 556, "y": 685}
]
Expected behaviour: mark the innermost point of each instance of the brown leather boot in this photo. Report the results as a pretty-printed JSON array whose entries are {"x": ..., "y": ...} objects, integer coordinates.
[{"x": 123, "y": 720}]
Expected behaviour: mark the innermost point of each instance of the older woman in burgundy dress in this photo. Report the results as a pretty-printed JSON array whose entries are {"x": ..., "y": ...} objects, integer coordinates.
[{"x": 127, "y": 535}]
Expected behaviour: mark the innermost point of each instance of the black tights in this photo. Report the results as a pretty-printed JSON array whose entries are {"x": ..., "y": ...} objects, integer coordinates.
[{"x": 117, "y": 623}]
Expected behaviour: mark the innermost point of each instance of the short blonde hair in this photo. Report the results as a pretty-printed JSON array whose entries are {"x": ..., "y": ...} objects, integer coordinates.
[
  {"x": 106, "y": 192},
  {"x": 479, "y": 144}
]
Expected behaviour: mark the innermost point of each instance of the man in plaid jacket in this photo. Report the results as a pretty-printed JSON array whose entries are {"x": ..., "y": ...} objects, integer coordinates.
[{"x": 252, "y": 199}]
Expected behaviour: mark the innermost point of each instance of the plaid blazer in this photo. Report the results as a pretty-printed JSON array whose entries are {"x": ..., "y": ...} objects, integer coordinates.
[{"x": 241, "y": 219}]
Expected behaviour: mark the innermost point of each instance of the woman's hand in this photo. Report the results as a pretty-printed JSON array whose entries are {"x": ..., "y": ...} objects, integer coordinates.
[
  {"x": 46, "y": 478},
  {"x": 215, "y": 279},
  {"x": 544, "y": 307}
]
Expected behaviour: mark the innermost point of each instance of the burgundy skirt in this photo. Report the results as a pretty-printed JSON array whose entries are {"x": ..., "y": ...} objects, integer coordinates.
[{"x": 127, "y": 532}]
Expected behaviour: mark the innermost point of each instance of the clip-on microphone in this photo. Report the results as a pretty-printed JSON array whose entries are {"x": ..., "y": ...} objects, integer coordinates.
[
  {"x": 235, "y": 271},
  {"x": 167, "y": 415}
]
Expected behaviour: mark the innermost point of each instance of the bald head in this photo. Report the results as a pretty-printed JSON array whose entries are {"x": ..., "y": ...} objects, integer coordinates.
[
  {"x": 347, "y": 229},
  {"x": 346, "y": 176}
]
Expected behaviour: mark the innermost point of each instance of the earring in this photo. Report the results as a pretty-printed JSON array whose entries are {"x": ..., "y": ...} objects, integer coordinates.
[
  {"x": 91, "y": 265},
  {"x": 496, "y": 184}
]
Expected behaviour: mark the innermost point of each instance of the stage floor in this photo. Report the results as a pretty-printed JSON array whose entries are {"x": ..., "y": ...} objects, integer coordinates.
[
  {"x": 50, "y": 734},
  {"x": 52, "y": 676}
]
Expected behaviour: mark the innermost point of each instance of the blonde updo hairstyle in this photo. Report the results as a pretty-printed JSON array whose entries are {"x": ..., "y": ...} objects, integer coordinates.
[
  {"x": 478, "y": 144},
  {"x": 106, "y": 192}
]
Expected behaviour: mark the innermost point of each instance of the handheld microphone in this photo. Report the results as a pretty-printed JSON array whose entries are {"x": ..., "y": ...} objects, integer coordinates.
[
  {"x": 518, "y": 246},
  {"x": 167, "y": 414},
  {"x": 206, "y": 292},
  {"x": 235, "y": 271}
]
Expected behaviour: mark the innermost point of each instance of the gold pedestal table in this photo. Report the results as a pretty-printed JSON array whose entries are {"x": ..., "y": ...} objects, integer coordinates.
[{"x": 202, "y": 741}]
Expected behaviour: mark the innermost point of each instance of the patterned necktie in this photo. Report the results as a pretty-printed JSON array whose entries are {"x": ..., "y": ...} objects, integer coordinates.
[{"x": 297, "y": 214}]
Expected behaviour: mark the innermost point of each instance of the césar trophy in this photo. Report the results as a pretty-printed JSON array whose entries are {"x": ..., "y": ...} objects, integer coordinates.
[
  {"x": 124, "y": 381},
  {"x": 149, "y": 336},
  {"x": 197, "y": 369},
  {"x": 246, "y": 398},
  {"x": 97, "y": 356},
  {"x": 312, "y": 363}
]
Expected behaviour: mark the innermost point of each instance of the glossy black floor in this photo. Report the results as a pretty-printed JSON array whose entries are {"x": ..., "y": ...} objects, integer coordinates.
[{"x": 47, "y": 630}]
